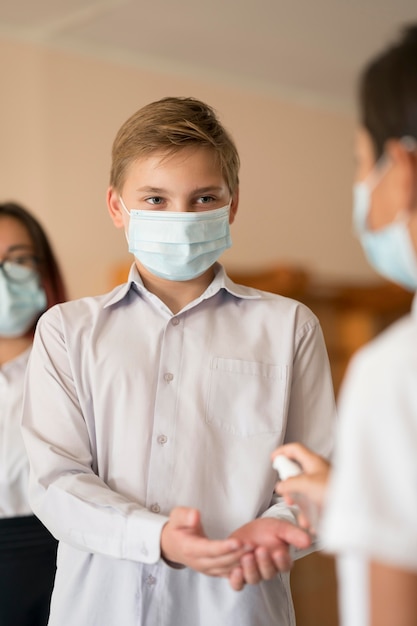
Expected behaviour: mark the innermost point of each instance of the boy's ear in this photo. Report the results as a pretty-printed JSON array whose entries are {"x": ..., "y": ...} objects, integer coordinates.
[
  {"x": 115, "y": 210},
  {"x": 234, "y": 206}
]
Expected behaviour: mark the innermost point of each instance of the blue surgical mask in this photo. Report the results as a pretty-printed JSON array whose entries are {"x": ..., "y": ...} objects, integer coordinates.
[
  {"x": 20, "y": 302},
  {"x": 178, "y": 245},
  {"x": 389, "y": 250}
]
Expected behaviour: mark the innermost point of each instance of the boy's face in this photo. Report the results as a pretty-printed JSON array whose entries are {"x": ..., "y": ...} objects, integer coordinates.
[{"x": 189, "y": 180}]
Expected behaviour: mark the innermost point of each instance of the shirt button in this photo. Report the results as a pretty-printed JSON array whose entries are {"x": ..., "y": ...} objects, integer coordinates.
[
  {"x": 175, "y": 321},
  {"x": 168, "y": 377},
  {"x": 151, "y": 580},
  {"x": 155, "y": 508},
  {"x": 162, "y": 439}
]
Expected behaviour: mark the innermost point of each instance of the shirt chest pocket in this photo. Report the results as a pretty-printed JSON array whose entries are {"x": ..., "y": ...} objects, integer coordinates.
[{"x": 247, "y": 398}]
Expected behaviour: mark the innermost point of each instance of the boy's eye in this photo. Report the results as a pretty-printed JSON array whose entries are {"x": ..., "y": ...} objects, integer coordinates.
[
  {"x": 206, "y": 199},
  {"x": 156, "y": 200}
]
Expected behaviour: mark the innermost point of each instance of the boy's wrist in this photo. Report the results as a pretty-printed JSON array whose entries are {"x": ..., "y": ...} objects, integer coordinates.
[{"x": 172, "y": 564}]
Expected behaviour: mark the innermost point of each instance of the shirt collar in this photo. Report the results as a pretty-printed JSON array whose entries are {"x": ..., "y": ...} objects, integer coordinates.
[{"x": 220, "y": 281}]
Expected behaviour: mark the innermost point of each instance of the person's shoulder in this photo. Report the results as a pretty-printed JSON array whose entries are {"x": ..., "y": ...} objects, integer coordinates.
[
  {"x": 385, "y": 363},
  {"x": 87, "y": 306},
  {"x": 280, "y": 304},
  {"x": 392, "y": 347}
]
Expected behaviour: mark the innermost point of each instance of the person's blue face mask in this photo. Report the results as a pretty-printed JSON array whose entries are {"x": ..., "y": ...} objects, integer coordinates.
[
  {"x": 389, "y": 250},
  {"x": 178, "y": 246},
  {"x": 21, "y": 301}
]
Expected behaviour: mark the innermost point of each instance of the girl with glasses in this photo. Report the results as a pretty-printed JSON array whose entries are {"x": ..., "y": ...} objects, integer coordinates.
[{"x": 30, "y": 282}]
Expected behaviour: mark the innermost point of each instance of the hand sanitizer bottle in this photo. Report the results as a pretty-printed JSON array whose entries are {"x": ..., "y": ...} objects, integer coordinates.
[{"x": 288, "y": 468}]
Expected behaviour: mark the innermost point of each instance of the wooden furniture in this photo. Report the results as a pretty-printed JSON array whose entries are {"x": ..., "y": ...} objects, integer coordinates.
[
  {"x": 353, "y": 314},
  {"x": 119, "y": 272},
  {"x": 287, "y": 280}
]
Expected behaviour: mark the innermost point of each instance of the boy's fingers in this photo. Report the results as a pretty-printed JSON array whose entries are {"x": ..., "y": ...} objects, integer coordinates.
[
  {"x": 266, "y": 566},
  {"x": 282, "y": 560},
  {"x": 250, "y": 569},
  {"x": 236, "y": 579}
]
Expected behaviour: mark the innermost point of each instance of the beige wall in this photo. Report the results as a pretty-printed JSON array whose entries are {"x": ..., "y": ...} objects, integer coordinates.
[{"x": 59, "y": 115}]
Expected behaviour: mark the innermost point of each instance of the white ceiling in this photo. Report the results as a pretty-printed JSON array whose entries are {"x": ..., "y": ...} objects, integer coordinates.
[{"x": 304, "y": 49}]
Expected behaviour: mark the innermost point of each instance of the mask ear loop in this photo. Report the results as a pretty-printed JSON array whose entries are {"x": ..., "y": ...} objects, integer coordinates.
[
  {"x": 124, "y": 206},
  {"x": 410, "y": 144},
  {"x": 384, "y": 163},
  {"x": 380, "y": 169},
  {"x": 128, "y": 212}
]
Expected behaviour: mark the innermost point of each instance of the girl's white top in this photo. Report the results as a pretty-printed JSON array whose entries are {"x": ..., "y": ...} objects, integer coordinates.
[{"x": 14, "y": 466}]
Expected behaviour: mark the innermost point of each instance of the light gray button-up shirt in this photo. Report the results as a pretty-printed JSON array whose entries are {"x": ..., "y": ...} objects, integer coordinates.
[{"x": 131, "y": 411}]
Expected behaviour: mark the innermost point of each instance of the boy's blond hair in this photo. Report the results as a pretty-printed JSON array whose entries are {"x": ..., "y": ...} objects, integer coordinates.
[{"x": 167, "y": 126}]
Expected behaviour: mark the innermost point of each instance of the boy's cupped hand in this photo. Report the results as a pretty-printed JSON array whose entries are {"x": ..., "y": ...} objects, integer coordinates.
[{"x": 184, "y": 542}]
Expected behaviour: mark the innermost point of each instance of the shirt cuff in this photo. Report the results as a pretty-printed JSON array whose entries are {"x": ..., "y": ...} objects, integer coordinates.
[{"x": 143, "y": 536}]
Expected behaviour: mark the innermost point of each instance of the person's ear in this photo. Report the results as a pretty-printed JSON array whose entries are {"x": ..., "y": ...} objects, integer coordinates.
[
  {"x": 403, "y": 155},
  {"x": 234, "y": 205},
  {"x": 115, "y": 208}
]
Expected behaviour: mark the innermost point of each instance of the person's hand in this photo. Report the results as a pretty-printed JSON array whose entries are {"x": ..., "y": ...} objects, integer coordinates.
[
  {"x": 184, "y": 542},
  {"x": 270, "y": 539},
  {"x": 312, "y": 483}
]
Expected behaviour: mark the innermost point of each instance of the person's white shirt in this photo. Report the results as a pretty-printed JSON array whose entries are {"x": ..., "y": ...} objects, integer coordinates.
[
  {"x": 130, "y": 410},
  {"x": 14, "y": 465},
  {"x": 371, "y": 507}
]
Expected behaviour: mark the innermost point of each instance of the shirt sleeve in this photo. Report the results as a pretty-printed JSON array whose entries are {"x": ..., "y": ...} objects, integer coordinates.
[
  {"x": 311, "y": 407},
  {"x": 66, "y": 492}
]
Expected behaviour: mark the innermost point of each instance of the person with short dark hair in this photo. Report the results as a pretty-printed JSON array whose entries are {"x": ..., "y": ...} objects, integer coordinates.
[{"x": 370, "y": 513}]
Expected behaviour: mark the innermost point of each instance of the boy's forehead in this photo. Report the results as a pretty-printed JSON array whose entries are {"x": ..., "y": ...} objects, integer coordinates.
[
  {"x": 178, "y": 154},
  {"x": 200, "y": 160}
]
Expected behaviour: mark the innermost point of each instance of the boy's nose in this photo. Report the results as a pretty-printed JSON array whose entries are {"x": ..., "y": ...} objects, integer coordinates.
[{"x": 183, "y": 206}]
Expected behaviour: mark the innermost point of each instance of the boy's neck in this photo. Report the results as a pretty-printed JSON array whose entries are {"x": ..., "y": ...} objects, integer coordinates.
[{"x": 176, "y": 294}]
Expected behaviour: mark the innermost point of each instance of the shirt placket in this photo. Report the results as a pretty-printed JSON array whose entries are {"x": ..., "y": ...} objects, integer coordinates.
[{"x": 161, "y": 464}]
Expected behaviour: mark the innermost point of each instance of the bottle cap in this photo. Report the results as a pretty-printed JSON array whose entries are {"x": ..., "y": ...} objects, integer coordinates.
[{"x": 285, "y": 467}]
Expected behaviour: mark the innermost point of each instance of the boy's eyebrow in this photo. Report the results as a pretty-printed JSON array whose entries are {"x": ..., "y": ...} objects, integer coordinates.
[
  {"x": 160, "y": 190},
  {"x": 209, "y": 189},
  {"x": 150, "y": 189}
]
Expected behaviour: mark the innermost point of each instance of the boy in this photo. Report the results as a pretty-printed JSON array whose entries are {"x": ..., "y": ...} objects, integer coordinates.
[{"x": 151, "y": 412}]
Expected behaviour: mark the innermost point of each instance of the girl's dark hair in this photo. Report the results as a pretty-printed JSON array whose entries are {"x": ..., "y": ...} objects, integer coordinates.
[
  {"x": 388, "y": 91},
  {"x": 50, "y": 273}
]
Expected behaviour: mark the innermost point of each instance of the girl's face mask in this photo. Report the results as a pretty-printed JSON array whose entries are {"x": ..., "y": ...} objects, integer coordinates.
[
  {"x": 22, "y": 299},
  {"x": 389, "y": 250}
]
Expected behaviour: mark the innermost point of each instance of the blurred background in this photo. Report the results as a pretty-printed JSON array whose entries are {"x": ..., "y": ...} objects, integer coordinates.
[{"x": 281, "y": 76}]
